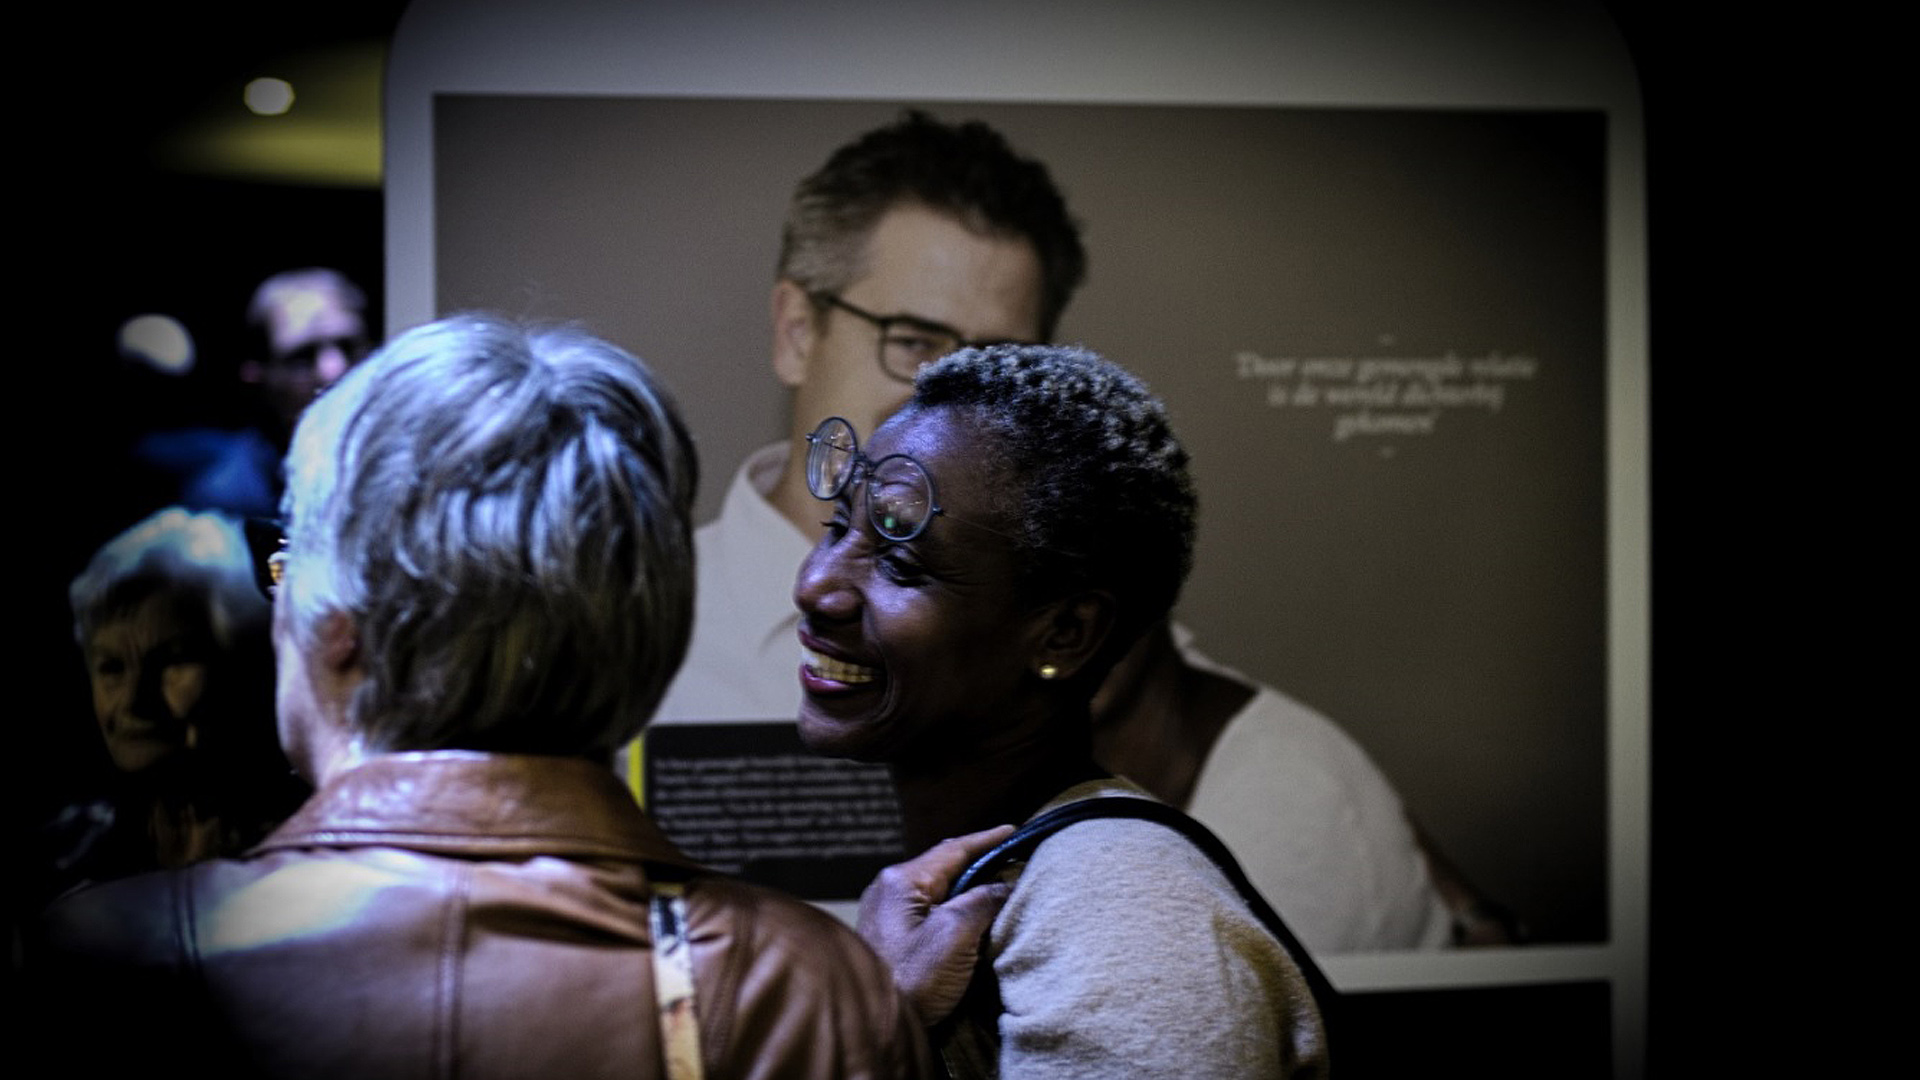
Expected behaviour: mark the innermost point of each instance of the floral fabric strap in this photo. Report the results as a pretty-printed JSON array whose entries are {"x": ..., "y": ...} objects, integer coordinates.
[{"x": 673, "y": 983}]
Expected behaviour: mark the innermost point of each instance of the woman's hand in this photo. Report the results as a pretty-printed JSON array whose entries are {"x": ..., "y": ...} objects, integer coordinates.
[{"x": 932, "y": 946}]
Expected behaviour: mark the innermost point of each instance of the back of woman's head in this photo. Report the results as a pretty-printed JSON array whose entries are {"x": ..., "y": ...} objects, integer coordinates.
[
  {"x": 503, "y": 510},
  {"x": 1099, "y": 491}
]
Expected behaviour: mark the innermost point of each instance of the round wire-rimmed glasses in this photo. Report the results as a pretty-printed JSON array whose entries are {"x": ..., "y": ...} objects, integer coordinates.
[{"x": 900, "y": 499}]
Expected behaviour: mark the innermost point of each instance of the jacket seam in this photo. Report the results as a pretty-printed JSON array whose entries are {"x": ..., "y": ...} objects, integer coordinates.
[
  {"x": 452, "y": 946},
  {"x": 187, "y": 927},
  {"x": 731, "y": 971}
]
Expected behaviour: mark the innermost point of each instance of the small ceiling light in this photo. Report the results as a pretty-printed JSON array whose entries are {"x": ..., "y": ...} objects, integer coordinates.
[{"x": 269, "y": 97}]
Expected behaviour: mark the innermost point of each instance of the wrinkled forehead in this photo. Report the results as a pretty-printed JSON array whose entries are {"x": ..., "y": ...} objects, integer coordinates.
[
  {"x": 148, "y": 607},
  {"x": 971, "y": 476},
  {"x": 921, "y": 433},
  {"x": 930, "y": 264}
]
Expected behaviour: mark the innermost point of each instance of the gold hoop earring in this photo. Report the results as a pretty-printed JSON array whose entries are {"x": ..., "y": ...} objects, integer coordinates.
[{"x": 1048, "y": 671}]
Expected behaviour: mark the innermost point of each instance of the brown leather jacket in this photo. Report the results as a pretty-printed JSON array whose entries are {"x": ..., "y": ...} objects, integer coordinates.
[{"x": 459, "y": 914}]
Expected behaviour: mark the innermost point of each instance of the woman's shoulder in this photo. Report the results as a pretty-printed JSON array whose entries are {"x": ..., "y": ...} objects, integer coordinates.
[
  {"x": 1109, "y": 867},
  {"x": 1109, "y": 905}
]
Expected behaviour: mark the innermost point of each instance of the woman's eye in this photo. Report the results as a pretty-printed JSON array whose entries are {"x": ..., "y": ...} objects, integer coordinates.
[{"x": 900, "y": 568}]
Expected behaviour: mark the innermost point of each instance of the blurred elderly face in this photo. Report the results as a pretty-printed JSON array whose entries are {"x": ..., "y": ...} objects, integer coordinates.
[{"x": 149, "y": 668}]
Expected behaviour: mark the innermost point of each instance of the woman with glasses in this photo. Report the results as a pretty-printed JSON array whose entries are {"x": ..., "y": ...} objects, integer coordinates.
[{"x": 989, "y": 554}]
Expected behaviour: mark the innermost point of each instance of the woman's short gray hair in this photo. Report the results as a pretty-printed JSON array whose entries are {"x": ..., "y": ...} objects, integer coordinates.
[
  {"x": 504, "y": 512},
  {"x": 175, "y": 551},
  {"x": 1100, "y": 493}
]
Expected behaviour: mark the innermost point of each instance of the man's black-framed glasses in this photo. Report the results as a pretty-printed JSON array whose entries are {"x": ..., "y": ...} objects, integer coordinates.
[
  {"x": 907, "y": 342},
  {"x": 267, "y": 543},
  {"x": 900, "y": 500}
]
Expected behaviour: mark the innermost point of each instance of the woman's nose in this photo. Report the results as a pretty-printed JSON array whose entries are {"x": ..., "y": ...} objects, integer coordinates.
[
  {"x": 150, "y": 693},
  {"x": 822, "y": 589}
]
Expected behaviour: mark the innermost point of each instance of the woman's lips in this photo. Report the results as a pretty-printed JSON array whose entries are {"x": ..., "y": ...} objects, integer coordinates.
[{"x": 140, "y": 727}]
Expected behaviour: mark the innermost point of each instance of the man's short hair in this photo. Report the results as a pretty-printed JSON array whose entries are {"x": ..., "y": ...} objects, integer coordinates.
[
  {"x": 286, "y": 286},
  {"x": 965, "y": 170},
  {"x": 504, "y": 512}
]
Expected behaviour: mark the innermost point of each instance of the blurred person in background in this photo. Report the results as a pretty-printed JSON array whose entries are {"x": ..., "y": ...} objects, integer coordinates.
[
  {"x": 172, "y": 627},
  {"x": 308, "y": 327},
  {"x": 305, "y": 329}
]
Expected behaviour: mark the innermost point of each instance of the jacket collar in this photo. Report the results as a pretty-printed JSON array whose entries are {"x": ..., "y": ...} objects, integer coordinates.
[{"x": 460, "y": 802}]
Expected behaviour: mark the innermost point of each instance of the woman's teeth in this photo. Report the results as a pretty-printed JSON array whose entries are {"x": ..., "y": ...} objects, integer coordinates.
[{"x": 826, "y": 667}]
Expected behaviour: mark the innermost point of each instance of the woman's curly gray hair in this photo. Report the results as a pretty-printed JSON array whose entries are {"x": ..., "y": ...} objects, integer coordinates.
[
  {"x": 504, "y": 512},
  {"x": 1101, "y": 495}
]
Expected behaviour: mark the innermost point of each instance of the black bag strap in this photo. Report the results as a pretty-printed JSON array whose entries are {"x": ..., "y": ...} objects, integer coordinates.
[{"x": 1020, "y": 845}]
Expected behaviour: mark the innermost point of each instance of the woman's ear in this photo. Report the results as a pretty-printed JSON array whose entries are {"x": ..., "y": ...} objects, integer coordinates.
[
  {"x": 796, "y": 323},
  {"x": 1071, "y": 633},
  {"x": 337, "y": 641}
]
